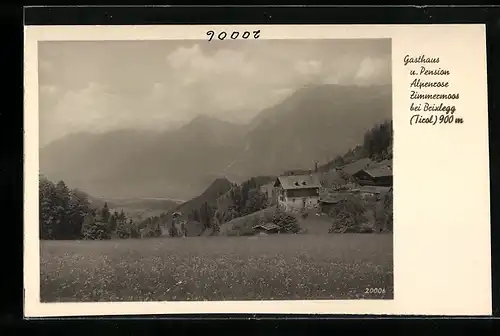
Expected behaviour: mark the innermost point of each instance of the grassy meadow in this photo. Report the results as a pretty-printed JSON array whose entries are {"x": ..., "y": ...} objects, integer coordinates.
[{"x": 280, "y": 267}]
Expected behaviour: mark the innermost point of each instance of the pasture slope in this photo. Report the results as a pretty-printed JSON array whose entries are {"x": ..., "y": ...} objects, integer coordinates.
[{"x": 280, "y": 267}]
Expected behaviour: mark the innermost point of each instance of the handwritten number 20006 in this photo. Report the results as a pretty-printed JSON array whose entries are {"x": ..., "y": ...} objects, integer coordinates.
[{"x": 234, "y": 35}]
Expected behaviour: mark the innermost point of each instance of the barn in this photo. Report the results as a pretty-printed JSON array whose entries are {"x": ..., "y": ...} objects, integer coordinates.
[{"x": 378, "y": 176}]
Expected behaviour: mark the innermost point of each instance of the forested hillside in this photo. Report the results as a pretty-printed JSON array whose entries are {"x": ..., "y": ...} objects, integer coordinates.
[{"x": 377, "y": 145}]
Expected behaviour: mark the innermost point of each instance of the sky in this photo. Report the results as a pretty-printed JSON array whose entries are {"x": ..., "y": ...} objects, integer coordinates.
[{"x": 108, "y": 85}]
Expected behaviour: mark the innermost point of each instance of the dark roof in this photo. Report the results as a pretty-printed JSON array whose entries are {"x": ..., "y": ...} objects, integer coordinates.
[
  {"x": 387, "y": 162},
  {"x": 266, "y": 226},
  {"x": 354, "y": 167},
  {"x": 299, "y": 181},
  {"x": 379, "y": 171},
  {"x": 374, "y": 189}
]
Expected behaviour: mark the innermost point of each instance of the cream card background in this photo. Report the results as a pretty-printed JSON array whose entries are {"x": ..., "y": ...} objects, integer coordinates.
[{"x": 442, "y": 252}]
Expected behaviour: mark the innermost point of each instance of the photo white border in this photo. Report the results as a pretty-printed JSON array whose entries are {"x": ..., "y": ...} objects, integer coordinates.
[{"x": 442, "y": 255}]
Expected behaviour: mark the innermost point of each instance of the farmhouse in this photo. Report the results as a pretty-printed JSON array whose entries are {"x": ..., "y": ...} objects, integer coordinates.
[
  {"x": 377, "y": 176},
  {"x": 297, "y": 191}
]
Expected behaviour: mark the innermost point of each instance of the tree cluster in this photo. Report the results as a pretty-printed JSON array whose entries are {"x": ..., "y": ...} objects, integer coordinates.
[
  {"x": 242, "y": 200},
  {"x": 67, "y": 214},
  {"x": 62, "y": 211},
  {"x": 286, "y": 222},
  {"x": 377, "y": 145},
  {"x": 377, "y": 142},
  {"x": 348, "y": 216},
  {"x": 353, "y": 215},
  {"x": 245, "y": 199}
]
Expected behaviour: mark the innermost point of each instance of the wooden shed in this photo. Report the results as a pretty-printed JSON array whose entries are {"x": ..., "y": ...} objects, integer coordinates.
[{"x": 266, "y": 228}]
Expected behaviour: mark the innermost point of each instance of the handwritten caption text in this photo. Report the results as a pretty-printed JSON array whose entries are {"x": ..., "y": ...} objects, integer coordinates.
[{"x": 430, "y": 84}]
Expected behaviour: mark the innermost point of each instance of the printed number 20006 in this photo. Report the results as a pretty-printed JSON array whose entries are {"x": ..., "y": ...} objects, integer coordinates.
[{"x": 374, "y": 290}]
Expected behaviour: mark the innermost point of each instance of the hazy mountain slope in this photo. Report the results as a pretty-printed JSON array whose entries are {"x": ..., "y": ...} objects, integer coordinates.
[
  {"x": 91, "y": 161},
  {"x": 218, "y": 188},
  {"x": 177, "y": 164},
  {"x": 314, "y": 123}
]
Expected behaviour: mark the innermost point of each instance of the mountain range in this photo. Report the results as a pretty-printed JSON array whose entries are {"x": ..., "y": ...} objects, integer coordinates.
[{"x": 315, "y": 123}]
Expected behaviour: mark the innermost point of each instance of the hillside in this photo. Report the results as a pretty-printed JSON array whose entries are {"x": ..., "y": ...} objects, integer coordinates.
[
  {"x": 218, "y": 188},
  {"x": 144, "y": 164},
  {"x": 314, "y": 123}
]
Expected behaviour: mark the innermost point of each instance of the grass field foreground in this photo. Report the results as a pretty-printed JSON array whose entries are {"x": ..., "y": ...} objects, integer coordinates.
[{"x": 280, "y": 267}]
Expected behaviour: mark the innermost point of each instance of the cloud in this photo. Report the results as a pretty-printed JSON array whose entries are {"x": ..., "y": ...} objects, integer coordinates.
[
  {"x": 308, "y": 67},
  {"x": 372, "y": 70},
  {"x": 49, "y": 90},
  {"x": 218, "y": 83},
  {"x": 107, "y": 85},
  {"x": 83, "y": 110}
]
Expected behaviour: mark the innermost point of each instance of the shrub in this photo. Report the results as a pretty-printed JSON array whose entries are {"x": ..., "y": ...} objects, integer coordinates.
[
  {"x": 134, "y": 232},
  {"x": 287, "y": 223},
  {"x": 172, "y": 232},
  {"x": 215, "y": 227},
  {"x": 349, "y": 216},
  {"x": 95, "y": 228},
  {"x": 388, "y": 210},
  {"x": 122, "y": 231}
]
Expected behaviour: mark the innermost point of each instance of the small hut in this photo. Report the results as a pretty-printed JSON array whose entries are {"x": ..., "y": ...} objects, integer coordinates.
[{"x": 266, "y": 228}]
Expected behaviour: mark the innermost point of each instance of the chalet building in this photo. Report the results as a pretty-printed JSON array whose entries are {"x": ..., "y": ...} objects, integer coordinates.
[
  {"x": 297, "y": 192},
  {"x": 378, "y": 176}
]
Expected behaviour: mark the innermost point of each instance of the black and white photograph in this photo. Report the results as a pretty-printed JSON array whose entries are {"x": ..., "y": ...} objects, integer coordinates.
[
  {"x": 189, "y": 170},
  {"x": 213, "y": 169}
]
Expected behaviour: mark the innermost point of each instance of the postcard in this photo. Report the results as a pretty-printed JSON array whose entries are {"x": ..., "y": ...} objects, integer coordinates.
[{"x": 288, "y": 169}]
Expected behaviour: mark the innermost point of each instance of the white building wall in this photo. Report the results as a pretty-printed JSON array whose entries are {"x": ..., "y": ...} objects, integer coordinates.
[{"x": 297, "y": 203}]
